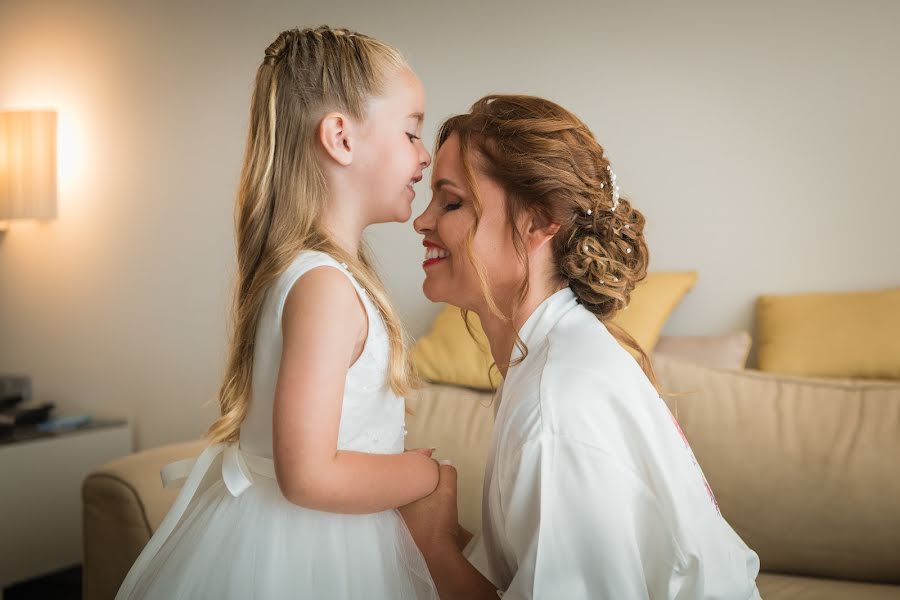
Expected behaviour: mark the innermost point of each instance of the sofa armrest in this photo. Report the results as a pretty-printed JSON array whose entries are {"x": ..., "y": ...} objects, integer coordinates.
[{"x": 123, "y": 504}]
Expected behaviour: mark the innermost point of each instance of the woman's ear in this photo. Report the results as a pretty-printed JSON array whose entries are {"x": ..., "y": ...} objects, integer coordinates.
[
  {"x": 538, "y": 232},
  {"x": 334, "y": 136}
]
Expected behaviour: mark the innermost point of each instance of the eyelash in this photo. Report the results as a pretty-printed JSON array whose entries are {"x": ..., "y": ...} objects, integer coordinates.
[
  {"x": 452, "y": 206},
  {"x": 412, "y": 137}
]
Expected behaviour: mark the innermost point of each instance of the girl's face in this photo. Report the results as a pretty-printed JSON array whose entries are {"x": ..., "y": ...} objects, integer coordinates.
[
  {"x": 392, "y": 157},
  {"x": 450, "y": 216}
]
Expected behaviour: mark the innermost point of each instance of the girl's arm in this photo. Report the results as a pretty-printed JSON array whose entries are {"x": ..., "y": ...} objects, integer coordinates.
[{"x": 324, "y": 328}]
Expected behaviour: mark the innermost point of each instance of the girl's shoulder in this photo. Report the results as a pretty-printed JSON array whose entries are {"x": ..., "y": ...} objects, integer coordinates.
[
  {"x": 310, "y": 259},
  {"x": 304, "y": 262}
]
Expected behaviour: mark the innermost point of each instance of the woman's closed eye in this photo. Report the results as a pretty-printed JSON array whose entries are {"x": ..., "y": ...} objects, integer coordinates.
[{"x": 452, "y": 205}]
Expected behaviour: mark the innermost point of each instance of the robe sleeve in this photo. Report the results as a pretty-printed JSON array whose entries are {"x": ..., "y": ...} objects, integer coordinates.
[{"x": 581, "y": 525}]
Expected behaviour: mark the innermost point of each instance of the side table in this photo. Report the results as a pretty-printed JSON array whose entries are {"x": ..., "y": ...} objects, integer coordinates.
[{"x": 40, "y": 495}]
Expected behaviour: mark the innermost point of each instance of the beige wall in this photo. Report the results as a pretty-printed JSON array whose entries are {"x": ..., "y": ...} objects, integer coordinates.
[{"x": 760, "y": 141}]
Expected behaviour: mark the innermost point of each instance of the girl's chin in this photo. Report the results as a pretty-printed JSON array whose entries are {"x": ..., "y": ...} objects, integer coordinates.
[{"x": 403, "y": 215}]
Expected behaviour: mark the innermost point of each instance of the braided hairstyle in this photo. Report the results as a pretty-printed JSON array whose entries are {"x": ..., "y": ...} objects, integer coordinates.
[
  {"x": 550, "y": 164},
  {"x": 282, "y": 193}
]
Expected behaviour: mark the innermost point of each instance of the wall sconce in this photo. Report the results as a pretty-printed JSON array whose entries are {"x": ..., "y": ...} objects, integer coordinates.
[{"x": 27, "y": 165}]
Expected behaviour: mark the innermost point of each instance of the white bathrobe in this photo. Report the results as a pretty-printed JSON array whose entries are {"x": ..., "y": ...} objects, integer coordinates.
[{"x": 591, "y": 490}]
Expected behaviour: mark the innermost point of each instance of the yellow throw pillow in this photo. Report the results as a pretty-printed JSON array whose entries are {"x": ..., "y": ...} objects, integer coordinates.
[
  {"x": 652, "y": 301},
  {"x": 448, "y": 354},
  {"x": 831, "y": 334}
]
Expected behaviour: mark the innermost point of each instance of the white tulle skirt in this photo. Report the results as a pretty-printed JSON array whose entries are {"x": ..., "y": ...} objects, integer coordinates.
[{"x": 232, "y": 534}]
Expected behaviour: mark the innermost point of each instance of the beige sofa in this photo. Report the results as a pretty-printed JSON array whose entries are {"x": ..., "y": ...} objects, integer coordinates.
[{"x": 807, "y": 471}]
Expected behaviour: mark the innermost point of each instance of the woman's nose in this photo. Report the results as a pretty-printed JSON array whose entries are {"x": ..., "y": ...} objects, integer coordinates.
[{"x": 422, "y": 224}]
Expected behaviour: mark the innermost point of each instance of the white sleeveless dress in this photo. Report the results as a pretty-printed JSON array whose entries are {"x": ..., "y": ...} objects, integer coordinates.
[{"x": 232, "y": 534}]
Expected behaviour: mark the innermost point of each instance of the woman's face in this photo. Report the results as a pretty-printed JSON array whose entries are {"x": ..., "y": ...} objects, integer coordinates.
[{"x": 450, "y": 216}]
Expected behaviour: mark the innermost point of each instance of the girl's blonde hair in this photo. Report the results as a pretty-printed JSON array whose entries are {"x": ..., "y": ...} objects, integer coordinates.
[
  {"x": 549, "y": 164},
  {"x": 282, "y": 191}
]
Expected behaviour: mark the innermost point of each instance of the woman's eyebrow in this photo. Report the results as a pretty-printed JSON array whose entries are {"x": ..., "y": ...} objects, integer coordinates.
[{"x": 442, "y": 182}]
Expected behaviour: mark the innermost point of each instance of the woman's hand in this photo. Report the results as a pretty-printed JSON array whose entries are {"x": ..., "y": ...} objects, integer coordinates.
[
  {"x": 434, "y": 526},
  {"x": 433, "y": 520}
]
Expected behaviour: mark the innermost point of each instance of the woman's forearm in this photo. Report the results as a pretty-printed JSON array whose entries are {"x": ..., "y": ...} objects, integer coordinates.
[
  {"x": 456, "y": 578},
  {"x": 358, "y": 482},
  {"x": 463, "y": 537}
]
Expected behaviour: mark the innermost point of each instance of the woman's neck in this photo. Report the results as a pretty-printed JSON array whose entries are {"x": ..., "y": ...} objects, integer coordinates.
[{"x": 501, "y": 334}]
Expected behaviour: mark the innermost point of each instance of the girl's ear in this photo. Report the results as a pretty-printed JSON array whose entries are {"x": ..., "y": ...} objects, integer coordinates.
[{"x": 334, "y": 135}]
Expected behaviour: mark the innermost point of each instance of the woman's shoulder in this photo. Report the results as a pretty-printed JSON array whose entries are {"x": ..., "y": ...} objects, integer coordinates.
[
  {"x": 580, "y": 341},
  {"x": 589, "y": 381}
]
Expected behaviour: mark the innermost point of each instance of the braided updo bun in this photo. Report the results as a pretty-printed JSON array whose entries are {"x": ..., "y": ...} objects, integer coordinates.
[{"x": 550, "y": 164}]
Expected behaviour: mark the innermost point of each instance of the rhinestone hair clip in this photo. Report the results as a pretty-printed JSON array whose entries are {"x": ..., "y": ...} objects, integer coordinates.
[{"x": 615, "y": 189}]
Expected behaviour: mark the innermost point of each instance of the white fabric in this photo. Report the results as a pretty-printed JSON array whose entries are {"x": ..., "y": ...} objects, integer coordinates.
[
  {"x": 232, "y": 534},
  {"x": 590, "y": 489}
]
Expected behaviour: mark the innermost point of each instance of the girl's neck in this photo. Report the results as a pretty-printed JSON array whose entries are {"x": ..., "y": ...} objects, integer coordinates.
[{"x": 344, "y": 226}]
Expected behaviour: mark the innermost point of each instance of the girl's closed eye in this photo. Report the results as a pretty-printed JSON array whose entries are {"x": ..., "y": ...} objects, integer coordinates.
[{"x": 413, "y": 137}]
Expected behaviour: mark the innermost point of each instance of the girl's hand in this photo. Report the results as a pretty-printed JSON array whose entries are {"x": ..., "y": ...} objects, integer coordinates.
[
  {"x": 423, "y": 451},
  {"x": 433, "y": 521}
]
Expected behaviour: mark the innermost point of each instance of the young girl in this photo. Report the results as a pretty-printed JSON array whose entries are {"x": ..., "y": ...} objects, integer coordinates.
[
  {"x": 296, "y": 496},
  {"x": 590, "y": 489}
]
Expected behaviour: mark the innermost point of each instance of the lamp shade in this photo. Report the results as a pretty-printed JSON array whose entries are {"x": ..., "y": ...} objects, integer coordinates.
[{"x": 27, "y": 164}]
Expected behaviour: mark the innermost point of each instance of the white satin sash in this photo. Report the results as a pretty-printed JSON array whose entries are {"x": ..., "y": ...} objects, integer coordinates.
[{"x": 238, "y": 469}]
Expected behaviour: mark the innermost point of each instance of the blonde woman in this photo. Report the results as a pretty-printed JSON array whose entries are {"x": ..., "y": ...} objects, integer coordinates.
[
  {"x": 296, "y": 495},
  {"x": 590, "y": 490}
]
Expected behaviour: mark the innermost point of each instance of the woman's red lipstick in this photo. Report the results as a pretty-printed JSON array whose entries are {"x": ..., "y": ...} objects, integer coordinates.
[{"x": 430, "y": 261}]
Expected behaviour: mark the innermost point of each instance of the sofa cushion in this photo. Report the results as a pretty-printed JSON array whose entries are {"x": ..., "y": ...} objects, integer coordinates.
[
  {"x": 830, "y": 335},
  {"x": 789, "y": 587},
  {"x": 805, "y": 470},
  {"x": 728, "y": 351},
  {"x": 449, "y": 355}
]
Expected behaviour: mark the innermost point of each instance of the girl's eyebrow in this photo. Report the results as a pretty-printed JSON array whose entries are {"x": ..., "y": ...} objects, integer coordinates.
[{"x": 417, "y": 116}]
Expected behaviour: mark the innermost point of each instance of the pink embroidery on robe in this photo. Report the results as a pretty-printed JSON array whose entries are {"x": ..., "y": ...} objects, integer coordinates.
[{"x": 709, "y": 491}]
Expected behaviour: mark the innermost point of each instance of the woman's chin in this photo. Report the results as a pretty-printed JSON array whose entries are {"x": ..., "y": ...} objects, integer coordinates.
[
  {"x": 438, "y": 291},
  {"x": 431, "y": 291}
]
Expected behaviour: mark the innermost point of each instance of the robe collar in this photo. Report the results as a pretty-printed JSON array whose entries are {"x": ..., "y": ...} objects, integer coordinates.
[{"x": 545, "y": 316}]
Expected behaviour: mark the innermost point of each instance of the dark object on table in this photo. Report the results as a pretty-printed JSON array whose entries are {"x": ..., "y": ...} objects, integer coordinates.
[
  {"x": 10, "y": 401},
  {"x": 58, "y": 424},
  {"x": 14, "y": 386},
  {"x": 28, "y": 414}
]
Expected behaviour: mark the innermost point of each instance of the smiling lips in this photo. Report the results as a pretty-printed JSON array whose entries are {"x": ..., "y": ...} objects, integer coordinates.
[
  {"x": 413, "y": 182},
  {"x": 433, "y": 254}
]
